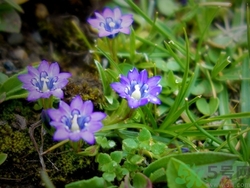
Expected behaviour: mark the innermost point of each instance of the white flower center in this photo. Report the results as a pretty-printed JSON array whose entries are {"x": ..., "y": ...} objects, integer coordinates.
[
  {"x": 137, "y": 93},
  {"x": 44, "y": 81},
  {"x": 74, "y": 125},
  {"x": 111, "y": 24}
]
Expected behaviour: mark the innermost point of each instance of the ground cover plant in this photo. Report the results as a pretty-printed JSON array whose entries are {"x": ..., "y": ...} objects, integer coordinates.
[{"x": 173, "y": 109}]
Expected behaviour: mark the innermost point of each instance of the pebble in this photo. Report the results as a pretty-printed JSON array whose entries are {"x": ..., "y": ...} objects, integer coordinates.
[
  {"x": 19, "y": 54},
  {"x": 15, "y": 38},
  {"x": 9, "y": 66},
  {"x": 37, "y": 37}
]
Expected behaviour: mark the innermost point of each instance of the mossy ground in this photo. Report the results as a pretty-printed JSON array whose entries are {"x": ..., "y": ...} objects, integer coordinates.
[{"x": 22, "y": 167}]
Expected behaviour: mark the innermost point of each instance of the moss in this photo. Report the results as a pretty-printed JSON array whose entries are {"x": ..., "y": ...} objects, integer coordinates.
[
  {"x": 8, "y": 110},
  {"x": 20, "y": 163},
  {"x": 15, "y": 142},
  {"x": 68, "y": 167},
  {"x": 63, "y": 31},
  {"x": 23, "y": 164},
  {"x": 88, "y": 86}
]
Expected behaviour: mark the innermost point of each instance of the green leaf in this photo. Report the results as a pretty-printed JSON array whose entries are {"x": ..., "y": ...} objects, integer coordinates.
[
  {"x": 161, "y": 64},
  {"x": 113, "y": 103},
  {"x": 204, "y": 88},
  {"x": 112, "y": 74},
  {"x": 121, "y": 172},
  {"x": 167, "y": 7},
  {"x": 103, "y": 158},
  {"x": 220, "y": 65},
  {"x": 96, "y": 182},
  {"x": 207, "y": 108},
  {"x": 90, "y": 151},
  {"x": 158, "y": 175},
  {"x": 104, "y": 142},
  {"x": 10, "y": 21},
  {"x": 198, "y": 88},
  {"x": 129, "y": 144},
  {"x": 109, "y": 176},
  {"x": 13, "y": 87},
  {"x": 3, "y": 157},
  {"x": 38, "y": 106},
  {"x": 136, "y": 159},
  {"x": 14, "y": 5},
  {"x": 198, "y": 159},
  {"x": 129, "y": 166},
  {"x": 3, "y": 77},
  {"x": 173, "y": 65},
  {"x": 158, "y": 148},
  {"x": 104, "y": 80},
  {"x": 179, "y": 175},
  {"x": 141, "y": 181},
  {"x": 116, "y": 156},
  {"x": 144, "y": 135},
  {"x": 145, "y": 65},
  {"x": 109, "y": 167},
  {"x": 2, "y": 97}
]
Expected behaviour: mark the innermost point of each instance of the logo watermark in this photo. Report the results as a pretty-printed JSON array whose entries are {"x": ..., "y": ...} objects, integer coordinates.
[{"x": 193, "y": 176}]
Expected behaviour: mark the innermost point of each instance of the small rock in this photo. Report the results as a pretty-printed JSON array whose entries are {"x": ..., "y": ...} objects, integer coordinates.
[
  {"x": 37, "y": 37},
  {"x": 41, "y": 11},
  {"x": 19, "y": 54},
  {"x": 9, "y": 66},
  {"x": 15, "y": 38}
]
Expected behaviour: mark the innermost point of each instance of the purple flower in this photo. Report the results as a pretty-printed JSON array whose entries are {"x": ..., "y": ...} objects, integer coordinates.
[
  {"x": 77, "y": 121},
  {"x": 138, "y": 89},
  {"x": 44, "y": 81},
  {"x": 110, "y": 23}
]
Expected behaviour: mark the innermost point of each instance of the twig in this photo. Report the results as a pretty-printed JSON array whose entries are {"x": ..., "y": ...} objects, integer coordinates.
[{"x": 39, "y": 151}]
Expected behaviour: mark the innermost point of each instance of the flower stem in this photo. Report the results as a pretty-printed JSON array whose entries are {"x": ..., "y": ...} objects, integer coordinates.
[{"x": 112, "y": 49}]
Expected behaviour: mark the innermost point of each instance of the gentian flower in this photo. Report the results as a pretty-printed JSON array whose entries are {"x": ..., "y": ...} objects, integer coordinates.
[
  {"x": 76, "y": 121},
  {"x": 44, "y": 81},
  {"x": 138, "y": 89},
  {"x": 110, "y": 23}
]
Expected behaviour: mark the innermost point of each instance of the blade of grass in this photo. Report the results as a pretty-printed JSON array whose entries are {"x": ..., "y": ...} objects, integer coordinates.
[
  {"x": 151, "y": 118},
  {"x": 132, "y": 46},
  {"x": 202, "y": 36},
  {"x": 242, "y": 146},
  {"x": 212, "y": 132},
  {"x": 157, "y": 26},
  {"x": 145, "y": 41},
  {"x": 106, "y": 87},
  {"x": 232, "y": 148},
  {"x": 232, "y": 138},
  {"x": 111, "y": 61},
  {"x": 248, "y": 28},
  {"x": 245, "y": 84},
  {"x": 179, "y": 101},
  {"x": 224, "y": 107},
  {"x": 212, "y": 119}
]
